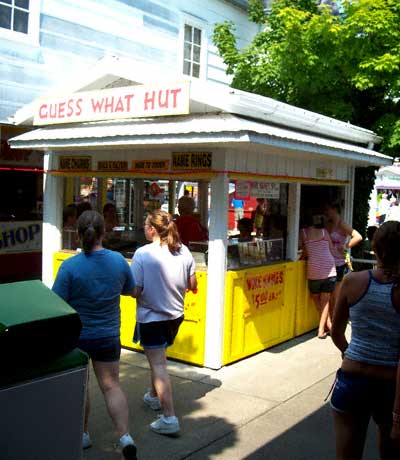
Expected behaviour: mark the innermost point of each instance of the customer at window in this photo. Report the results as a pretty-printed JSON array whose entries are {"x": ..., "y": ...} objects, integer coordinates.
[
  {"x": 162, "y": 271},
  {"x": 92, "y": 282},
  {"x": 343, "y": 237},
  {"x": 321, "y": 272}
]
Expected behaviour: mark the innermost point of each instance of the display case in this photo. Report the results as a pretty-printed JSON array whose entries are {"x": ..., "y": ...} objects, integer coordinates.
[{"x": 253, "y": 253}]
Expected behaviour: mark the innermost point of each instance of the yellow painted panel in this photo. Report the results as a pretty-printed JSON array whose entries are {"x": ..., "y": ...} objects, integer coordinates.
[
  {"x": 259, "y": 309},
  {"x": 306, "y": 313},
  {"x": 190, "y": 342}
]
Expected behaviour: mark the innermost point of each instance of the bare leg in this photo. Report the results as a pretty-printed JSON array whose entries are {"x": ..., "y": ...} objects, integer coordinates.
[
  {"x": 350, "y": 434},
  {"x": 332, "y": 301},
  {"x": 87, "y": 406},
  {"x": 387, "y": 450},
  {"x": 117, "y": 405},
  {"x": 161, "y": 381},
  {"x": 321, "y": 301}
]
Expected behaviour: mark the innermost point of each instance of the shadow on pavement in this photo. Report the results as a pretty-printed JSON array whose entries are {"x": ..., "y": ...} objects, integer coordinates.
[
  {"x": 311, "y": 439},
  {"x": 199, "y": 425}
]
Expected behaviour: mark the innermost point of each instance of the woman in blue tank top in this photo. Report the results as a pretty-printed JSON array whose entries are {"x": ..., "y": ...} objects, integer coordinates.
[{"x": 365, "y": 384}]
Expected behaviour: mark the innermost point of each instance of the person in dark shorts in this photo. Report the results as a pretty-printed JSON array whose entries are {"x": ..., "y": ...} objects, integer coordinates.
[
  {"x": 92, "y": 282},
  {"x": 321, "y": 272},
  {"x": 365, "y": 385},
  {"x": 163, "y": 271}
]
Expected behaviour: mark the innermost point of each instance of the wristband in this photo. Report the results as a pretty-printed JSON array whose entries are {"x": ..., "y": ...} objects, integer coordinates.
[{"x": 396, "y": 418}]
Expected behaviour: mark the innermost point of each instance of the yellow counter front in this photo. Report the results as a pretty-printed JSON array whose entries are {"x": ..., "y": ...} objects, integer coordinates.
[{"x": 264, "y": 306}]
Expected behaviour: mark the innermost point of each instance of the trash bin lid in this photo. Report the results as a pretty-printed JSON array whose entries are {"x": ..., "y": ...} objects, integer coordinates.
[
  {"x": 28, "y": 301},
  {"x": 35, "y": 324}
]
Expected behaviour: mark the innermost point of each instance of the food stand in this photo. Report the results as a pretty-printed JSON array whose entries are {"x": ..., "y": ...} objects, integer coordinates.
[{"x": 252, "y": 295}]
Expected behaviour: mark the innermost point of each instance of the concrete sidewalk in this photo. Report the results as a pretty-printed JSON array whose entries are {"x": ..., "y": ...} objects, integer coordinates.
[{"x": 269, "y": 406}]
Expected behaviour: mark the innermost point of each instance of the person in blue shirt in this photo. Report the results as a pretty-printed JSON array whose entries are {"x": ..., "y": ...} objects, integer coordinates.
[
  {"x": 92, "y": 282},
  {"x": 238, "y": 208}
]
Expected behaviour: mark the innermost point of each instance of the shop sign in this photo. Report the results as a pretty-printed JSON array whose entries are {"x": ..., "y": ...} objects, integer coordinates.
[
  {"x": 112, "y": 165},
  {"x": 192, "y": 160},
  {"x": 109, "y": 104},
  {"x": 75, "y": 163},
  {"x": 23, "y": 236},
  {"x": 324, "y": 173},
  {"x": 150, "y": 164},
  {"x": 263, "y": 290},
  {"x": 242, "y": 189},
  {"x": 269, "y": 190}
]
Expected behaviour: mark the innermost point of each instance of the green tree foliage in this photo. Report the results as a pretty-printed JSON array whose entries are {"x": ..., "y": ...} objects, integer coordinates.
[{"x": 341, "y": 59}]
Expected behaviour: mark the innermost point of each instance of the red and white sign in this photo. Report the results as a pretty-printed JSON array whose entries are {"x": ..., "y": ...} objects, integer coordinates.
[{"x": 109, "y": 104}]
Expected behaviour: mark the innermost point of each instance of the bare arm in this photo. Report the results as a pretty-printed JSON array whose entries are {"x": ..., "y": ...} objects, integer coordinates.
[
  {"x": 137, "y": 290},
  {"x": 355, "y": 237},
  {"x": 328, "y": 237},
  {"x": 341, "y": 316},
  {"x": 192, "y": 282}
]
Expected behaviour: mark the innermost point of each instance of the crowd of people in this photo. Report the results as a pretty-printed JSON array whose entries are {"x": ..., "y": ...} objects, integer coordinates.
[{"x": 368, "y": 381}]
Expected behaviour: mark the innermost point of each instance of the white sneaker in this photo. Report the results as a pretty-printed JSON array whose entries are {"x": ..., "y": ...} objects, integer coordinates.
[
  {"x": 168, "y": 426},
  {"x": 86, "y": 441},
  {"x": 152, "y": 401},
  {"x": 128, "y": 448}
]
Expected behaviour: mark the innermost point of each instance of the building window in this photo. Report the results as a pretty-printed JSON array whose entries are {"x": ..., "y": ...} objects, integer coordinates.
[
  {"x": 192, "y": 51},
  {"x": 14, "y": 15}
]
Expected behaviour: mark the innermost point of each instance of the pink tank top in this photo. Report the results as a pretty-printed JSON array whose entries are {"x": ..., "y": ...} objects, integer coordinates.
[
  {"x": 320, "y": 263},
  {"x": 338, "y": 240}
]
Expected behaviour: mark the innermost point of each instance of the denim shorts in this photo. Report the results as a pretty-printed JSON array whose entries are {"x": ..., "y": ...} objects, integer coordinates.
[
  {"x": 364, "y": 396},
  {"x": 107, "y": 349},
  {"x": 325, "y": 285},
  {"x": 157, "y": 334}
]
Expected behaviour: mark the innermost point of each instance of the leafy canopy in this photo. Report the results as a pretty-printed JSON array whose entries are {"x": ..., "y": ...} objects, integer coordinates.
[{"x": 341, "y": 59}]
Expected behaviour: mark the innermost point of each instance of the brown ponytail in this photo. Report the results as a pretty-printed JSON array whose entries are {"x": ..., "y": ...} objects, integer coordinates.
[
  {"x": 90, "y": 229},
  {"x": 166, "y": 229}
]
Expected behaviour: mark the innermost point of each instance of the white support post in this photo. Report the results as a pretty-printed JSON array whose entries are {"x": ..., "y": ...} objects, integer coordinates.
[
  {"x": 217, "y": 250},
  {"x": 52, "y": 218},
  {"x": 293, "y": 221},
  {"x": 349, "y": 198}
]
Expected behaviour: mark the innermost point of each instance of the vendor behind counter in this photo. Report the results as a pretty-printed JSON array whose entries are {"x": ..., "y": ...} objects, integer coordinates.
[{"x": 188, "y": 224}]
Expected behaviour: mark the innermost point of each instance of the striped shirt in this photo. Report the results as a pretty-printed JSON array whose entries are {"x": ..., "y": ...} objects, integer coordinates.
[
  {"x": 320, "y": 262},
  {"x": 339, "y": 239}
]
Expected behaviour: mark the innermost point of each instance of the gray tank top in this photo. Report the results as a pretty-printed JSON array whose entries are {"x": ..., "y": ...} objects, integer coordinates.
[{"x": 375, "y": 326}]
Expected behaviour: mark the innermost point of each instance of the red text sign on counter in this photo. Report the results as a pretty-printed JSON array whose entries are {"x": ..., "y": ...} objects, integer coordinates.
[
  {"x": 108, "y": 104},
  {"x": 263, "y": 291}
]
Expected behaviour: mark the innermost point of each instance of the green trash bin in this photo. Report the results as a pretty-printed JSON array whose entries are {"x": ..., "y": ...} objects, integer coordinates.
[{"x": 43, "y": 375}]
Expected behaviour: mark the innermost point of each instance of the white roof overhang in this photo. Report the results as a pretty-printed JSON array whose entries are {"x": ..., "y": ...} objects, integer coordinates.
[
  {"x": 207, "y": 97},
  {"x": 210, "y": 129}
]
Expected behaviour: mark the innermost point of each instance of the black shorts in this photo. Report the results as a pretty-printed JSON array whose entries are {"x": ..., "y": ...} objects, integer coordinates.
[
  {"x": 107, "y": 349},
  {"x": 157, "y": 334},
  {"x": 340, "y": 272},
  {"x": 325, "y": 285},
  {"x": 359, "y": 395}
]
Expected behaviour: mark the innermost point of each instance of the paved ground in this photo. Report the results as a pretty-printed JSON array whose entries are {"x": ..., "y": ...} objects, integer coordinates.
[{"x": 270, "y": 406}]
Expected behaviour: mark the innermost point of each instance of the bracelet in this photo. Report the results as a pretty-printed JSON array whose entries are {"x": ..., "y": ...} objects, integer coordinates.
[{"x": 396, "y": 418}]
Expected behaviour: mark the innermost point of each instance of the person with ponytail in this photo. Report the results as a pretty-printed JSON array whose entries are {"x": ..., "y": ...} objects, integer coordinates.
[
  {"x": 365, "y": 384},
  {"x": 92, "y": 282},
  {"x": 162, "y": 271}
]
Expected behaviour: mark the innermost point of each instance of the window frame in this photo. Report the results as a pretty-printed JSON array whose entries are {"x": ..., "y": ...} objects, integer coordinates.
[
  {"x": 32, "y": 36},
  {"x": 200, "y": 25}
]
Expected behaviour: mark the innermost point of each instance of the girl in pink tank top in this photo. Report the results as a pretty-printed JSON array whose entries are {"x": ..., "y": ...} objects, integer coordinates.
[{"x": 321, "y": 272}]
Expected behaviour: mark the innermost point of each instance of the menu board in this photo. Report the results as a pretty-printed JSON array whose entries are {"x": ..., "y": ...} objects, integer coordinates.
[{"x": 265, "y": 190}]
